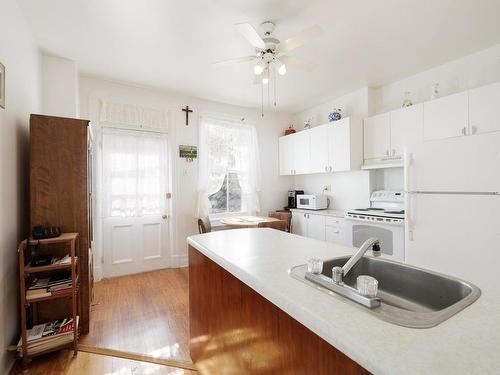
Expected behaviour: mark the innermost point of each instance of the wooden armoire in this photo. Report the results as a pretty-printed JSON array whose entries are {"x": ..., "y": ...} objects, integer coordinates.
[{"x": 61, "y": 194}]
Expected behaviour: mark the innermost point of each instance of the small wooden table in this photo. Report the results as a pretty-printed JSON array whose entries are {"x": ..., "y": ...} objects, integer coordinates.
[{"x": 244, "y": 222}]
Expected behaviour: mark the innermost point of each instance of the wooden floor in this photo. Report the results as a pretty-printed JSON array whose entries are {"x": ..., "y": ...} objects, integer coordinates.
[
  {"x": 63, "y": 362},
  {"x": 145, "y": 313}
]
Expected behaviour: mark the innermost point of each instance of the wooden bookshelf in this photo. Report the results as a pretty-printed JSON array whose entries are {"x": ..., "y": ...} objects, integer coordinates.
[
  {"x": 26, "y": 271},
  {"x": 52, "y": 267}
]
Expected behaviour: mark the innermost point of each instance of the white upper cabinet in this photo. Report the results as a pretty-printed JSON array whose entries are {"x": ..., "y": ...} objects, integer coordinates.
[
  {"x": 446, "y": 117},
  {"x": 286, "y": 155},
  {"x": 406, "y": 128},
  {"x": 302, "y": 156},
  {"x": 319, "y": 145},
  {"x": 344, "y": 140},
  {"x": 332, "y": 147},
  {"x": 484, "y": 103},
  {"x": 377, "y": 136}
]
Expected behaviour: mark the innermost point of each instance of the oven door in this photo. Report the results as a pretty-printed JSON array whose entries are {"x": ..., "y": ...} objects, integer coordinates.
[{"x": 390, "y": 236}]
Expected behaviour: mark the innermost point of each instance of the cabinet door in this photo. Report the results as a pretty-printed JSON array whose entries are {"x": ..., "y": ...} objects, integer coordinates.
[
  {"x": 335, "y": 235},
  {"x": 286, "y": 155},
  {"x": 299, "y": 223},
  {"x": 301, "y": 151},
  {"x": 377, "y": 136},
  {"x": 339, "y": 140},
  {"x": 446, "y": 117},
  {"x": 483, "y": 109},
  {"x": 319, "y": 142},
  {"x": 406, "y": 128},
  {"x": 316, "y": 226}
]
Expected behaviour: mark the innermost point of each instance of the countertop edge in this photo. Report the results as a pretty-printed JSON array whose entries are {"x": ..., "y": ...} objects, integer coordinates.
[{"x": 284, "y": 304}]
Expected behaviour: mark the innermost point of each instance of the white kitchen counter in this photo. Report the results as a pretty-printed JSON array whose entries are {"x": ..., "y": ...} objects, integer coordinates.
[
  {"x": 467, "y": 343},
  {"x": 334, "y": 213}
]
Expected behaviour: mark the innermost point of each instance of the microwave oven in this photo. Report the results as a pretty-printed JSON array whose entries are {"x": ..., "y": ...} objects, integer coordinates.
[{"x": 312, "y": 202}]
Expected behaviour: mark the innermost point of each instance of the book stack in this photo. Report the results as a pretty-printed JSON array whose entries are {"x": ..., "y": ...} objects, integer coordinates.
[
  {"x": 58, "y": 284},
  {"x": 43, "y": 337}
]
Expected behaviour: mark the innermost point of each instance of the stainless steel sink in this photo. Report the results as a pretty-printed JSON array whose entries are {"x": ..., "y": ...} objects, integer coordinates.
[{"x": 409, "y": 296}]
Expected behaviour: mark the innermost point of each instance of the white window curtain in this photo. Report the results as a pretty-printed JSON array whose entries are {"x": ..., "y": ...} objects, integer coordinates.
[
  {"x": 228, "y": 146},
  {"x": 134, "y": 177},
  {"x": 132, "y": 116}
]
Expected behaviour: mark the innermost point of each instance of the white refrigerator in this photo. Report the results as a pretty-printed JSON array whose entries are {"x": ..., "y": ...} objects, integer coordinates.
[{"x": 453, "y": 207}]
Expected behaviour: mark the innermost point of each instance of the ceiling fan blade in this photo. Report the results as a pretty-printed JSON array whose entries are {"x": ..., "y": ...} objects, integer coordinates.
[
  {"x": 233, "y": 61},
  {"x": 250, "y": 34},
  {"x": 300, "y": 39},
  {"x": 292, "y": 62}
]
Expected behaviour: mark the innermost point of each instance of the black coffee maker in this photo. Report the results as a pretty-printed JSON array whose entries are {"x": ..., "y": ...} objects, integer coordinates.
[{"x": 292, "y": 197}]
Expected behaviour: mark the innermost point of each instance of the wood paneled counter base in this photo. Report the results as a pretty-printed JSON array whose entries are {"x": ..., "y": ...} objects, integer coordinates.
[{"x": 234, "y": 330}]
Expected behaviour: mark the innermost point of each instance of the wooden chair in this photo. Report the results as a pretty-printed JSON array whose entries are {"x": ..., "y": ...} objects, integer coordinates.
[
  {"x": 279, "y": 225},
  {"x": 204, "y": 225},
  {"x": 287, "y": 216}
]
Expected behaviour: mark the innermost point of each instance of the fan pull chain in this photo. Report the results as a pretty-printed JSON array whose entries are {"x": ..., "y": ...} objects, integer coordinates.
[
  {"x": 262, "y": 98},
  {"x": 275, "y": 87}
]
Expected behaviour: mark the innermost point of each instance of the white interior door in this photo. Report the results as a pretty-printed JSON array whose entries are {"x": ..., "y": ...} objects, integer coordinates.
[{"x": 134, "y": 203}]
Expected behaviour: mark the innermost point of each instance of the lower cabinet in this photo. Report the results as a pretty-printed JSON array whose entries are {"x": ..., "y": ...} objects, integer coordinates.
[{"x": 319, "y": 227}]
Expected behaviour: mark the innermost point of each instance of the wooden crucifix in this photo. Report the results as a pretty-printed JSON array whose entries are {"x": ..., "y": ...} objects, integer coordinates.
[{"x": 188, "y": 111}]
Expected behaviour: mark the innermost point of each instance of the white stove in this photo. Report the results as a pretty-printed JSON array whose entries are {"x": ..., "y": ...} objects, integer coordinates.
[
  {"x": 386, "y": 207},
  {"x": 384, "y": 219}
]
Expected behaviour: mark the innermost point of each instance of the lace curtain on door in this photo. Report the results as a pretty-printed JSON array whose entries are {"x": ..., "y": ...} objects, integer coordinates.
[
  {"x": 134, "y": 173},
  {"x": 228, "y": 146}
]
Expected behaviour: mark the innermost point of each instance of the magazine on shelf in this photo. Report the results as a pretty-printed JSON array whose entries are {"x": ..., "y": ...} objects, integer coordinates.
[{"x": 48, "y": 335}]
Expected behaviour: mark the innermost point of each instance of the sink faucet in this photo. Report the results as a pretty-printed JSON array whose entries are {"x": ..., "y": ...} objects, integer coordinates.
[{"x": 338, "y": 273}]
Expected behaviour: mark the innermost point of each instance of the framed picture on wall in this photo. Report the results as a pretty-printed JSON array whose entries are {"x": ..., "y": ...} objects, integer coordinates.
[{"x": 2, "y": 85}]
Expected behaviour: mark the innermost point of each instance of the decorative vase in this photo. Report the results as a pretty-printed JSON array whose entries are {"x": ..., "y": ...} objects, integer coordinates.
[
  {"x": 335, "y": 115},
  {"x": 289, "y": 130},
  {"x": 407, "y": 102}
]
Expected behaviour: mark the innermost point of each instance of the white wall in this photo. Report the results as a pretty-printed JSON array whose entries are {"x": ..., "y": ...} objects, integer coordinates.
[
  {"x": 353, "y": 189},
  {"x": 269, "y": 128},
  {"x": 20, "y": 56},
  {"x": 59, "y": 86},
  {"x": 468, "y": 72}
]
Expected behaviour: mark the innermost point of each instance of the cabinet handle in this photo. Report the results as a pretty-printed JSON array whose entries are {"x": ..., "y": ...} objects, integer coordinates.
[
  {"x": 331, "y": 169},
  {"x": 386, "y": 152},
  {"x": 326, "y": 168},
  {"x": 464, "y": 130},
  {"x": 393, "y": 151}
]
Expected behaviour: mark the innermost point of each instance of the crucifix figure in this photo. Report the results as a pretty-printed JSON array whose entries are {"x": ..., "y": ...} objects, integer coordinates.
[{"x": 188, "y": 111}]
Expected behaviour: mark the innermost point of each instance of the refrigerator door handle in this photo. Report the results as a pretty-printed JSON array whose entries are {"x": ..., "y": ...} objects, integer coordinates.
[{"x": 408, "y": 214}]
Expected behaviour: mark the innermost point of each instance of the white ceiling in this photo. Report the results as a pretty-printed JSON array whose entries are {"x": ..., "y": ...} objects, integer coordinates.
[{"x": 171, "y": 43}]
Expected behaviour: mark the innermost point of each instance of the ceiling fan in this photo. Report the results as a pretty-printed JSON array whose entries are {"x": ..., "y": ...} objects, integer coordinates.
[{"x": 270, "y": 53}]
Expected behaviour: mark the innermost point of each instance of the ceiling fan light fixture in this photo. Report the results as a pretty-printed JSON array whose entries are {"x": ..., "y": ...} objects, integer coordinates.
[
  {"x": 258, "y": 69},
  {"x": 265, "y": 80},
  {"x": 282, "y": 70}
]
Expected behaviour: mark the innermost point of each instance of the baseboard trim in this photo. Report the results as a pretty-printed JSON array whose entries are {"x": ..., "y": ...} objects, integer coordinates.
[
  {"x": 138, "y": 357},
  {"x": 179, "y": 261}
]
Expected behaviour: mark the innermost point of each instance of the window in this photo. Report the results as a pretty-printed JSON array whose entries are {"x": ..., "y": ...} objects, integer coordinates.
[
  {"x": 229, "y": 168},
  {"x": 228, "y": 197},
  {"x": 134, "y": 173}
]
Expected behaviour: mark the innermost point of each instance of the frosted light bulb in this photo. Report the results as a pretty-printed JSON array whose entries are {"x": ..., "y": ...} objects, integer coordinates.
[
  {"x": 265, "y": 80},
  {"x": 282, "y": 69},
  {"x": 258, "y": 69}
]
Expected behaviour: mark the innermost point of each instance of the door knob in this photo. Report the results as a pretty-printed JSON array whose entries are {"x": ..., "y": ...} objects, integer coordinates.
[{"x": 164, "y": 216}]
